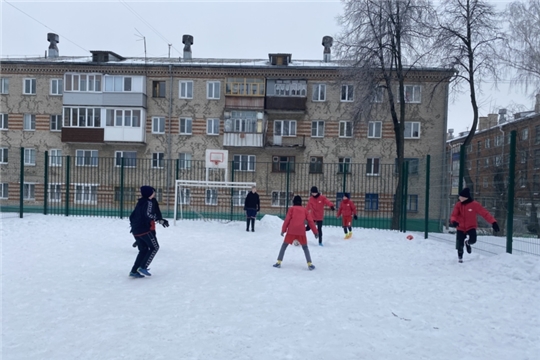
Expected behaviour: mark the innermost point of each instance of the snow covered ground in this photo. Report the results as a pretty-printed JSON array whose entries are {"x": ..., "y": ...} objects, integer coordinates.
[{"x": 214, "y": 295}]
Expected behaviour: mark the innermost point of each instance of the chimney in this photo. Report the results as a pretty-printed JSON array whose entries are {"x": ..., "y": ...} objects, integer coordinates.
[
  {"x": 537, "y": 105},
  {"x": 450, "y": 134},
  {"x": 327, "y": 42},
  {"x": 492, "y": 120},
  {"x": 53, "y": 49},
  {"x": 187, "y": 40},
  {"x": 483, "y": 123},
  {"x": 502, "y": 116}
]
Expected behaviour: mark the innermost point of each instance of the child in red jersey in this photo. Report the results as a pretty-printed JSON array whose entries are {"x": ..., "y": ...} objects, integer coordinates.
[
  {"x": 315, "y": 206},
  {"x": 347, "y": 210}
]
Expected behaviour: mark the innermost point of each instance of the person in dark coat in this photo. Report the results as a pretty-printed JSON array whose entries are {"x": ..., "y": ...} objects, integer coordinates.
[
  {"x": 160, "y": 220},
  {"x": 463, "y": 218},
  {"x": 252, "y": 205},
  {"x": 140, "y": 220},
  {"x": 315, "y": 206},
  {"x": 294, "y": 226}
]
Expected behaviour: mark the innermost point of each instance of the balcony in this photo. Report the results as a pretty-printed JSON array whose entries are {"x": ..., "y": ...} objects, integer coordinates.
[
  {"x": 242, "y": 139},
  {"x": 284, "y": 103},
  {"x": 102, "y": 135},
  {"x": 105, "y": 99}
]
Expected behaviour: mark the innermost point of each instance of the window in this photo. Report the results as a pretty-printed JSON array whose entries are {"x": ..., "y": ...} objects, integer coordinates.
[
  {"x": 4, "y": 85},
  {"x": 212, "y": 126},
  {"x": 56, "y": 122},
  {"x": 213, "y": 90},
  {"x": 499, "y": 140},
  {"x": 317, "y": 129},
  {"x": 523, "y": 178},
  {"x": 372, "y": 166},
  {"x": 498, "y": 160},
  {"x": 285, "y": 127},
  {"x": 86, "y": 158},
  {"x": 537, "y": 134},
  {"x": 412, "y": 130},
  {"x": 185, "y": 126},
  {"x": 4, "y": 190},
  {"x": 85, "y": 194},
  {"x": 345, "y": 129},
  {"x": 244, "y": 162},
  {"x": 157, "y": 160},
  {"x": 114, "y": 83},
  {"x": 485, "y": 182},
  {"x": 412, "y": 94},
  {"x": 243, "y": 121},
  {"x": 344, "y": 165},
  {"x": 4, "y": 155},
  {"x": 371, "y": 202},
  {"x": 186, "y": 89},
  {"x": 524, "y": 156},
  {"x": 83, "y": 82},
  {"x": 118, "y": 117},
  {"x": 478, "y": 147},
  {"x": 29, "y": 191},
  {"x": 279, "y": 198},
  {"x": 29, "y": 157},
  {"x": 374, "y": 129},
  {"x": 281, "y": 163},
  {"x": 86, "y": 117},
  {"x": 525, "y": 134},
  {"x": 486, "y": 162},
  {"x": 412, "y": 203},
  {"x": 57, "y": 86},
  {"x": 469, "y": 148},
  {"x": 4, "y": 121},
  {"x": 211, "y": 197},
  {"x": 487, "y": 143},
  {"x": 537, "y": 158},
  {"x": 468, "y": 164},
  {"x": 290, "y": 88},
  {"x": 319, "y": 92},
  {"x": 130, "y": 158},
  {"x": 158, "y": 125},
  {"x": 316, "y": 165},
  {"x": 244, "y": 87},
  {"x": 184, "y": 161},
  {"x": 184, "y": 196},
  {"x": 158, "y": 89},
  {"x": 29, "y": 122},
  {"x": 413, "y": 165},
  {"x": 378, "y": 95},
  {"x": 55, "y": 157},
  {"x": 29, "y": 86},
  {"x": 239, "y": 197},
  {"x": 347, "y": 93},
  {"x": 536, "y": 183},
  {"x": 55, "y": 192},
  {"x": 130, "y": 194}
]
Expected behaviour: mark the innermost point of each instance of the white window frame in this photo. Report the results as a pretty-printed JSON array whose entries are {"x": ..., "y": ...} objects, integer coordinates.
[
  {"x": 55, "y": 192},
  {"x": 211, "y": 197},
  {"x": 4, "y": 155},
  {"x": 29, "y": 86},
  {"x": 317, "y": 129},
  {"x": 499, "y": 140},
  {"x": 188, "y": 126},
  {"x": 279, "y": 198},
  {"x": 29, "y": 157},
  {"x": 344, "y": 127},
  {"x": 525, "y": 134},
  {"x": 413, "y": 94},
  {"x": 184, "y": 196},
  {"x": 347, "y": 93},
  {"x": 412, "y": 125},
  {"x": 296, "y": 88},
  {"x": 90, "y": 116},
  {"x": 374, "y": 130},
  {"x": 29, "y": 191},
  {"x": 29, "y": 122},
  {"x": 114, "y": 83},
  {"x": 129, "y": 161},
  {"x": 55, "y": 120},
  {"x": 184, "y": 161},
  {"x": 77, "y": 82},
  {"x": 83, "y": 155},
  {"x": 213, "y": 90},
  {"x": 487, "y": 143},
  {"x": 239, "y": 197},
  {"x": 212, "y": 126},
  {"x": 4, "y": 85},
  {"x": 319, "y": 93},
  {"x": 185, "y": 89},
  {"x": 4, "y": 121},
  {"x": 288, "y": 125},
  {"x": 4, "y": 190},
  {"x": 373, "y": 167},
  {"x": 55, "y": 157},
  {"x": 85, "y": 194},
  {"x": 244, "y": 162},
  {"x": 158, "y": 160},
  {"x": 57, "y": 87},
  {"x": 158, "y": 125},
  {"x": 378, "y": 95}
]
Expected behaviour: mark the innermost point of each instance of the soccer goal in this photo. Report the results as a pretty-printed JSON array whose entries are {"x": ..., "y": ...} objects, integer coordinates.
[{"x": 210, "y": 200}]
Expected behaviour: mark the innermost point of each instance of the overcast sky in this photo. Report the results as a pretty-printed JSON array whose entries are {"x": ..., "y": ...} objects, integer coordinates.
[{"x": 222, "y": 29}]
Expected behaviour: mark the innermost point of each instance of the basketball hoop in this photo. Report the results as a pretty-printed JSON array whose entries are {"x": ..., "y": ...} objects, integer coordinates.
[{"x": 216, "y": 162}]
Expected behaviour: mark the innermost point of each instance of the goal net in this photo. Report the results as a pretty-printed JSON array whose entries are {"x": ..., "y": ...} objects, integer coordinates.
[{"x": 210, "y": 200}]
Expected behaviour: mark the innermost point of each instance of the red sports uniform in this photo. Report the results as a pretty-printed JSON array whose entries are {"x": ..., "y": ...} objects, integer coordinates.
[{"x": 294, "y": 225}]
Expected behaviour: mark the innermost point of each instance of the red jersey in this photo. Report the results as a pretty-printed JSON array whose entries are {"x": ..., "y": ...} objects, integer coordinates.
[
  {"x": 315, "y": 206},
  {"x": 464, "y": 214},
  {"x": 346, "y": 208},
  {"x": 294, "y": 223}
]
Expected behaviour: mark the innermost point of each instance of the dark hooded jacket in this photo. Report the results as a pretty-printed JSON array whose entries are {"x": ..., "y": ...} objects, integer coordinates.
[{"x": 142, "y": 216}]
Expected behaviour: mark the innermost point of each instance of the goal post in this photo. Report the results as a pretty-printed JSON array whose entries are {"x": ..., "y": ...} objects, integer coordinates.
[{"x": 217, "y": 197}]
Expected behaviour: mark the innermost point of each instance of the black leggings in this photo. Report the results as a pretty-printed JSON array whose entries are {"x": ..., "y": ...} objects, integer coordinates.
[
  {"x": 148, "y": 247},
  {"x": 461, "y": 236}
]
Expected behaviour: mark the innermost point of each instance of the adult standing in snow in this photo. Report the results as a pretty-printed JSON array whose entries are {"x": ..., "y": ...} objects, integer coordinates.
[
  {"x": 140, "y": 220},
  {"x": 159, "y": 220},
  {"x": 315, "y": 206},
  {"x": 294, "y": 226},
  {"x": 252, "y": 206},
  {"x": 463, "y": 218},
  {"x": 347, "y": 210}
]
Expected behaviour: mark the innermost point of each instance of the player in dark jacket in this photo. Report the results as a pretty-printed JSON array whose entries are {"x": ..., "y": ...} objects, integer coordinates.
[
  {"x": 463, "y": 218},
  {"x": 159, "y": 220},
  {"x": 252, "y": 206},
  {"x": 140, "y": 220},
  {"x": 315, "y": 206}
]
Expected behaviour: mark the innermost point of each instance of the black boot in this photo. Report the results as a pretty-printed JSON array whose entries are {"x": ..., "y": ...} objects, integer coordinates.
[
  {"x": 252, "y": 225},
  {"x": 247, "y": 224}
]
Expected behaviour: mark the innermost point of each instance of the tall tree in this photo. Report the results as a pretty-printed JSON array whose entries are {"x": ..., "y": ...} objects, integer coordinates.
[
  {"x": 468, "y": 38},
  {"x": 383, "y": 40}
]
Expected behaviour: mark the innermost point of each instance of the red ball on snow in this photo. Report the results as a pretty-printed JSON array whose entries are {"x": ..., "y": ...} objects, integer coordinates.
[{"x": 410, "y": 237}]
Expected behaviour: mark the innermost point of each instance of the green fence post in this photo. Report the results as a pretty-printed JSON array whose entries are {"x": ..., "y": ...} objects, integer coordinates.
[
  {"x": 46, "y": 183},
  {"x": 287, "y": 188},
  {"x": 405, "y": 194},
  {"x": 345, "y": 165},
  {"x": 122, "y": 187},
  {"x": 426, "y": 210},
  {"x": 232, "y": 191},
  {"x": 511, "y": 183},
  {"x": 21, "y": 187},
  {"x": 68, "y": 163}
]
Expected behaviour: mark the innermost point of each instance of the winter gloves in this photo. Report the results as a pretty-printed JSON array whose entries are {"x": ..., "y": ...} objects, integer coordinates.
[
  {"x": 495, "y": 227},
  {"x": 332, "y": 208},
  {"x": 454, "y": 224},
  {"x": 163, "y": 222},
  {"x": 355, "y": 217}
]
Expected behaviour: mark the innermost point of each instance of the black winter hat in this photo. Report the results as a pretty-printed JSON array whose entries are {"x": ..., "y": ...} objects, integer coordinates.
[
  {"x": 347, "y": 195},
  {"x": 297, "y": 200},
  {"x": 314, "y": 190},
  {"x": 147, "y": 191},
  {"x": 465, "y": 193}
]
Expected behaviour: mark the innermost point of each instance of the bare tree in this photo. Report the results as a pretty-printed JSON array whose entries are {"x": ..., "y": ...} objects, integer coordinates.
[
  {"x": 468, "y": 38},
  {"x": 383, "y": 40},
  {"x": 521, "y": 51}
]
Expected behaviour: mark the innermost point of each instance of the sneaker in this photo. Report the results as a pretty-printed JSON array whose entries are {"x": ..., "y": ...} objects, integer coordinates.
[
  {"x": 252, "y": 230},
  {"x": 320, "y": 244},
  {"x": 460, "y": 260},
  {"x": 311, "y": 267},
  {"x": 350, "y": 235},
  {"x": 277, "y": 265},
  {"x": 136, "y": 275},
  {"x": 346, "y": 236},
  {"x": 247, "y": 229},
  {"x": 469, "y": 249},
  {"x": 144, "y": 271}
]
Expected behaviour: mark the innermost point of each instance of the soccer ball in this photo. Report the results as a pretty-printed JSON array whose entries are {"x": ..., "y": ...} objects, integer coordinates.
[
  {"x": 410, "y": 237},
  {"x": 296, "y": 243}
]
